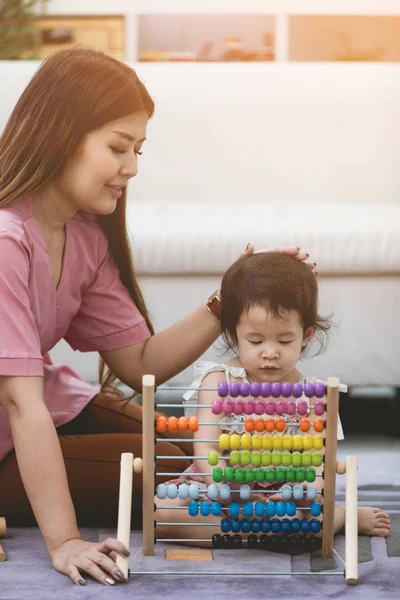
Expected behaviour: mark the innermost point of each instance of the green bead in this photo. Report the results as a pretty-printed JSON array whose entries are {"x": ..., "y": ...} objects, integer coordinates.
[
  {"x": 316, "y": 459},
  {"x": 245, "y": 457},
  {"x": 286, "y": 459},
  {"x": 249, "y": 475},
  {"x": 217, "y": 474},
  {"x": 234, "y": 457},
  {"x": 228, "y": 474},
  {"x": 265, "y": 458},
  {"x": 260, "y": 475},
  {"x": 300, "y": 474},
  {"x": 280, "y": 474},
  {"x": 239, "y": 475},
  {"x": 310, "y": 475},
  {"x": 270, "y": 475},
  {"x": 255, "y": 458},
  {"x": 276, "y": 458},
  {"x": 306, "y": 459},
  {"x": 213, "y": 458},
  {"x": 296, "y": 459},
  {"x": 290, "y": 474}
]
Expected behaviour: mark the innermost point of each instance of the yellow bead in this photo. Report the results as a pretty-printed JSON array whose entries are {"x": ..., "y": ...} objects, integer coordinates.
[
  {"x": 298, "y": 442},
  {"x": 256, "y": 442},
  {"x": 308, "y": 442},
  {"x": 224, "y": 441},
  {"x": 318, "y": 442},
  {"x": 235, "y": 441},
  {"x": 245, "y": 440},
  {"x": 267, "y": 442},
  {"x": 287, "y": 442},
  {"x": 277, "y": 442}
]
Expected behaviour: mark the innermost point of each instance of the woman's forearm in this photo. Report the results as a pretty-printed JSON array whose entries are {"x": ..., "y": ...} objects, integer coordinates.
[{"x": 42, "y": 470}]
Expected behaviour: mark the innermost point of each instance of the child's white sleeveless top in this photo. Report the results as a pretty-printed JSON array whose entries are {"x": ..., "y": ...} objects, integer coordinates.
[{"x": 236, "y": 422}]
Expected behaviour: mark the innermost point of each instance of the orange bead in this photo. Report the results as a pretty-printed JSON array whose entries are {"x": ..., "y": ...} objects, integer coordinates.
[
  {"x": 172, "y": 423},
  {"x": 249, "y": 424},
  {"x": 193, "y": 424},
  {"x": 161, "y": 424},
  {"x": 270, "y": 425},
  {"x": 260, "y": 425},
  {"x": 280, "y": 424},
  {"x": 305, "y": 425},
  {"x": 182, "y": 423},
  {"x": 318, "y": 424}
]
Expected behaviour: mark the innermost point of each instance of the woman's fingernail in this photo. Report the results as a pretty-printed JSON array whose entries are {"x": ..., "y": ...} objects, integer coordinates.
[
  {"x": 247, "y": 247},
  {"x": 126, "y": 552},
  {"x": 315, "y": 264},
  {"x": 81, "y": 582},
  {"x": 119, "y": 575},
  {"x": 109, "y": 581},
  {"x": 307, "y": 254},
  {"x": 298, "y": 249}
]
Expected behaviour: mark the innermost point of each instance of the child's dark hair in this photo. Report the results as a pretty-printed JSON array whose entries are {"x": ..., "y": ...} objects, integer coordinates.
[{"x": 277, "y": 282}]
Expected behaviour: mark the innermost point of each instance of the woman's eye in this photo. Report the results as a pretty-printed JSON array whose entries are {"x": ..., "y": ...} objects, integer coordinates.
[
  {"x": 138, "y": 152},
  {"x": 119, "y": 150}
]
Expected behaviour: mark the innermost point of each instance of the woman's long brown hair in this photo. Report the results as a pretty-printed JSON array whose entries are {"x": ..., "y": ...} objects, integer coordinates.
[{"x": 72, "y": 93}]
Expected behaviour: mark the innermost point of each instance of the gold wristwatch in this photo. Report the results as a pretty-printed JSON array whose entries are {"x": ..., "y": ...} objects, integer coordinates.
[{"x": 214, "y": 304}]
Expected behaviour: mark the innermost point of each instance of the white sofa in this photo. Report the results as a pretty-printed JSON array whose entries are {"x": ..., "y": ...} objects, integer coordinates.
[{"x": 302, "y": 155}]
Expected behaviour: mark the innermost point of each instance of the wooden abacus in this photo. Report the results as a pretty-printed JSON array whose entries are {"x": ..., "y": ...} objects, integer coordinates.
[
  {"x": 331, "y": 467},
  {"x": 3, "y": 530}
]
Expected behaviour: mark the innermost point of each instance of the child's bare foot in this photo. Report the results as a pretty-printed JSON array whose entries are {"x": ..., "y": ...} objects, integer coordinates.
[{"x": 373, "y": 521}]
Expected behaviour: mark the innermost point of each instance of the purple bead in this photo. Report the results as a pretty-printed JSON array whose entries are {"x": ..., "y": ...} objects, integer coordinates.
[
  {"x": 276, "y": 389},
  {"x": 302, "y": 408},
  {"x": 238, "y": 407},
  {"x": 291, "y": 408},
  {"x": 234, "y": 390},
  {"x": 223, "y": 389},
  {"x": 280, "y": 407},
  {"x": 265, "y": 389},
  {"x": 297, "y": 390},
  {"x": 270, "y": 407},
  {"x": 249, "y": 407},
  {"x": 227, "y": 407},
  {"x": 255, "y": 389},
  {"x": 244, "y": 389},
  {"x": 320, "y": 390},
  {"x": 216, "y": 406},
  {"x": 286, "y": 389},
  {"x": 319, "y": 408},
  {"x": 309, "y": 390},
  {"x": 259, "y": 407}
]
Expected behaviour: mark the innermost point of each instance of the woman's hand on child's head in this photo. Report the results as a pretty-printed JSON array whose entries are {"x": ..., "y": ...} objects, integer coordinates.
[
  {"x": 293, "y": 251},
  {"x": 76, "y": 556}
]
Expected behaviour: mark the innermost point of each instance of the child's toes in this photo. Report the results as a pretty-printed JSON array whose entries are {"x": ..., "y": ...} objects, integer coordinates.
[{"x": 380, "y": 531}]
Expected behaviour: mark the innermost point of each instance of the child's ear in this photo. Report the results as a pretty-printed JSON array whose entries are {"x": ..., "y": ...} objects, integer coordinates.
[{"x": 308, "y": 336}]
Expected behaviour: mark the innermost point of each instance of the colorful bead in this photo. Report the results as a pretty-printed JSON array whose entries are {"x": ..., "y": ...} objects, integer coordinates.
[
  {"x": 315, "y": 526},
  {"x": 290, "y": 474},
  {"x": 228, "y": 474},
  {"x": 255, "y": 526},
  {"x": 193, "y": 509},
  {"x": 212, "y": 491},
  {"x": 298, "y": 442},
  {"x": 291, "y": 509},
  {"x": 238, "y": 407},
  {"x": 256, "y": 442},
  {"x": 265, "y": 389},
  {"x": 276, "y": 458},
  {"x": 270, "y": 407},
  {"x": 304, "y": 424},
  {"x": 302, "y": 407},
  {"x": 224, "y": 441},
  {"x": 234, "y": 457},
  {"x": 280, "y": 509},
  {"x": 320, "y": 390},
  {"x": 277, "y": 442},
  {"x": 193, "y": 423},
  {"x": 172, "y": 424},
  {"x": 255, "y": 389},
  {"x": 216, "y": 540},
  {"x": 259, "y": 425},
  {"x": 304, "y": 526},
  {"x": 270, "y": 509},
  {"x": 259, "y": 407},
  {"x": 287, "y": 441},
  {"x": 161, "y": 424},
  {"x": 309, "y": 389},
  {"x": 270, "y": 475},
  {"x": 291, "y": 408},
  {"x": 255, "y": 458},
  {"x": 265, "y": 526},
  {"x": 239, "y": 475},
  {"x": 225, "y": 525},
  {"x": 319, "y": 408},
  {"x": 298, "y": 491},
  {"x": 223, "y": 389},
  {"x": 276, "y": 389},
  {"x": 275, "y": 525},
  {"x": 318, "y": 425},
  {"x": 259, "y": 509},
  {"x": 245, "y": 457},
  {"x": 236, "y": 541},
  {"x": 312, "y": 492},
  {"x": 310, "y": 475},
  {"x": 297, "y": 390},
  {"x": 267, "y": 442},
  {"x": 249, "y": 476},
  {"x": 308, "y": 442},
  {"x": 245, "y": 525},
  {"x": 296, "y": 459},
  {"x": 260, "y": 475},
  {"x": 318, "y": 442},
  {"x": 234, "y": 441},
  {"x": 234, "y": 390},
  {"x": 172, "y": 491},
  {"x": 216, "y": 509},
  {"x": 244, "y": 491},
  {"x": 286, "y": 527},
  {"x": 205, "y": 509},
  {"x": 216, "y": 406},
  {"x": 286, "y": 459},
  {"x": 286, "y": 389},
  {"x": 182, "y": 423},
  {"x": 249, "y": 424},
  {"x": 280, "y": 407},
  {"x": 249, "y": 407},
  {"x": 183, "y": 491},
  {"x": 295, "y": 524},
  {"x": 280, "y": 474},
  {"x": 280, "y": 424},
  {"x": 300, "y": 474},
  {"x": 227, "y": 407},
  {"x": 306, "y": 459},
  {"x": 286, "y": 492},
  {"x": 265, "y": 458},
  {"x": 234, "y": 509},
  {"x": 316, "y": 459},
  {"x": 225, "y": 491},
  {"x": 244, "y": 389},
  {"x": 194, "y": 490},
  {"x": 248, "y": 509},
  {"x": 235, "y": 525},
  {"x": 217, "y": 474},
  {"x": 161, "y": 491},
  {"x": 245, "y": 441},
  {"x": 315, "y": 509},
  {"x": 270, "y": 425}
]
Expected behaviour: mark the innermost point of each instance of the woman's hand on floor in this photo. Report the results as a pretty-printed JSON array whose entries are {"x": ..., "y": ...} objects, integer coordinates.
[{"x": 74, "y": 557}]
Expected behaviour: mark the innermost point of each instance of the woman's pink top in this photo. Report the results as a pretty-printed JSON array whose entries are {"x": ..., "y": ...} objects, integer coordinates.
[{"x": 90, "y": 308}]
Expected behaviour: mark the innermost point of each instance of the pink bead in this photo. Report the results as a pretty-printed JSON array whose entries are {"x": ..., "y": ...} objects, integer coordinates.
[
  {"x": 319, "y": 408},
  {"x": 276, "y": 389},
  {"x": 227, "y": 407},
  {"x": 259, "y": 407},
  {"x": 270, "y": 407},
  {"x": 249, "y": 407},
  {"x": 280, "y": 407},
  {"x": 291, "y": 408},
  {"x": 302, "y": 408},
  {"x": 216, "y": 406},
  {"x": 238, "y": 407}
]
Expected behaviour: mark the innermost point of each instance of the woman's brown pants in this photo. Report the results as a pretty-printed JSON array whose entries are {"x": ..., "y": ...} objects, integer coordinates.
[{"x": 92, "y": 445}]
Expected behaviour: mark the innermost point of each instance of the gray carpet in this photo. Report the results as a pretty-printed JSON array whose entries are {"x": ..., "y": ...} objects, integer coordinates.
[{"x": 28, "y": 572}]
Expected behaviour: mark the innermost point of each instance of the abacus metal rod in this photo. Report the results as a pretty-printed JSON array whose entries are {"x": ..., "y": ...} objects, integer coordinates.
[
  {"x": 237, "y": 573},
  {"x": 183, "y": 405},
  {"x": 210, "y": 475},
  {"x": 222, "y": 508}
]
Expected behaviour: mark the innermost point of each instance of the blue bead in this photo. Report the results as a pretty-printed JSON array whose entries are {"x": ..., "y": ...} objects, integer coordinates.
[
  {"x": 280, "y": 509},
  {"x": 259, "y": 509},
  {"x": 275, "y": 525},
  {"x": 172, "y": 491},
  {"x": 316, "y": 509},
  {"x": 265, "y": 526},
  {"x": 194, "y": 490},
  {"x": 248, "y": 509},
  {"x": 315, "y": 526},
  {"x": 212, "y": 491},
  {"x": 235, "y": 526},
  {"x": 305, "y": 526},
  {"x": 286, "y": 526},
  {"x": 205, "y": 509},
  {"x": 216, "y": 508},
  {"x": 225, "y": 491},
  {"x": 245, "y": 525},
  {"x": 290, "y": 509},
  {"x": 234, "y": 509},
  {"x": 193, "y": 508},
  {"x": 270, "y": 509},
  {"x": 183, "y": 491},
  {"x": 296, "y": 525},
  {"x": 255, "y": 526},
  {"x": 161, "y": 491},
  {"x": 286, "y": 492},
  {"x": 225, "y": 525},
  {"x": 311, "y": 492},
  {"x": 298, "y": 491}
]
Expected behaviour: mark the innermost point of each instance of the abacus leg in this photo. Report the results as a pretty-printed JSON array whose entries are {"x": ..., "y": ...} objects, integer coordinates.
[
  {"x": 351, "y": 526},
  {"x": 125, "y": 508}
]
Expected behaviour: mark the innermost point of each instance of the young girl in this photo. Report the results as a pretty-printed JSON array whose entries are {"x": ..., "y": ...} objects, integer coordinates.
[
  {"x": 70, "y": 147},
  {"x": 269, "y": 319}
]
